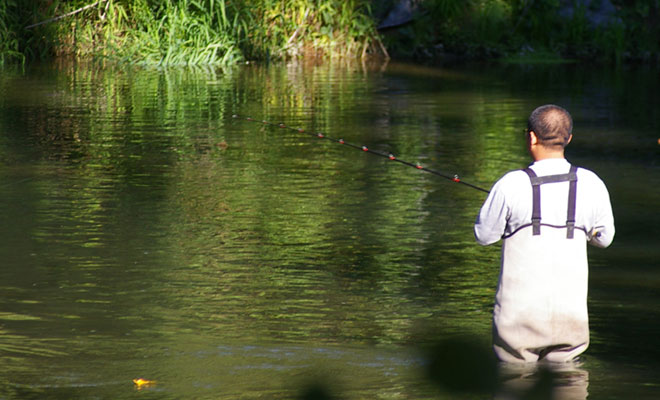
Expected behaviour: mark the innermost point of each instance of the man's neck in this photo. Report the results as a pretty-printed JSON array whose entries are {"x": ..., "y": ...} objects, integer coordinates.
[
  {"x": 540, "y": 153},
  {"x": 555, "y": 157}
]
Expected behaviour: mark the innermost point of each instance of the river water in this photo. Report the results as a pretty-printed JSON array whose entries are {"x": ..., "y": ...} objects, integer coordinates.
[{"x": 148, "y": 234}]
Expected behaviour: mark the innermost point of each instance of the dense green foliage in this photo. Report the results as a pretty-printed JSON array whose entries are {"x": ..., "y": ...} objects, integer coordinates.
[
  {"x": 8, "y": 40},
  {"x": 198, "y": 31},
  {"x": 225, "y": 32},
  {"x": 529, "y": 29}
]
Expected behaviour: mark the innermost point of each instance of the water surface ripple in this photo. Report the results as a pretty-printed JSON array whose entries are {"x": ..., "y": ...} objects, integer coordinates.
[{"x": 148, "y": 234}]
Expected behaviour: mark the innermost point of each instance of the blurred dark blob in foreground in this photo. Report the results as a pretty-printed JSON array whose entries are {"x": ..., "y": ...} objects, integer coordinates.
[
  {"x": 316, "y": 391},
  {"x": 462, "y": 364},
  {"x": 467, "y": 365}
]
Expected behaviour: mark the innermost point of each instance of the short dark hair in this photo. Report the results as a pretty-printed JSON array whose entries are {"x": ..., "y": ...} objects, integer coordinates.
[{"x": 552, "y": 125}]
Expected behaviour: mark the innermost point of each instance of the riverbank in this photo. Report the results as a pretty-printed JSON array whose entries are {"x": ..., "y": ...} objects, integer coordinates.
[
  {"x": 600, "y": 31},
  {"x": 213, "y": 32}
]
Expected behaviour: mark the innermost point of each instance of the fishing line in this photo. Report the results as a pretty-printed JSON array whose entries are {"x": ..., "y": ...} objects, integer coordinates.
[{"x": 390, "y": 156}]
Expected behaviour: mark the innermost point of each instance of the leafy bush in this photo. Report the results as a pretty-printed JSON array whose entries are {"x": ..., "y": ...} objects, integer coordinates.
[
  {"x": 9, "y": 41},
  {"x": 198, "y": 32},
  {"x": 210, "y": 32}
]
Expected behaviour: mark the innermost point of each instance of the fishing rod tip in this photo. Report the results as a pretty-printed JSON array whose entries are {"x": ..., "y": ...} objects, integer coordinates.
[{"x": 391, "y": 156}]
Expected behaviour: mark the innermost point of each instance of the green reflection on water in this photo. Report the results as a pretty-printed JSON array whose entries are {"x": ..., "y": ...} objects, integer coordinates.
[{"x": 147, "y": 233}]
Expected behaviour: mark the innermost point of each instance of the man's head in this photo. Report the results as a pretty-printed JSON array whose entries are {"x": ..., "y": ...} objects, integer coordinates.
[{"x": 552, "y": 126}]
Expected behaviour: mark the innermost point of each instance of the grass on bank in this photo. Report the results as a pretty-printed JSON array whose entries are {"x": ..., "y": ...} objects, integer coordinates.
[
  {"x": 9, "y": 40},
  {"x": 221, "y": 32},
  {"x": 197, "y": 32}
]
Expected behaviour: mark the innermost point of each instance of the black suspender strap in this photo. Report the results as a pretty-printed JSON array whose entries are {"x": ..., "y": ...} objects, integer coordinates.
[
  {"x": 572, "y": 194},
  {"x": 536, "y": 201},
  {"x": 537, "y": 181}
]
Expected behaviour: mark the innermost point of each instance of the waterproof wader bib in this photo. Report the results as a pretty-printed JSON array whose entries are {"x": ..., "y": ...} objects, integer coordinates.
[{"x": 540, "y": 308}]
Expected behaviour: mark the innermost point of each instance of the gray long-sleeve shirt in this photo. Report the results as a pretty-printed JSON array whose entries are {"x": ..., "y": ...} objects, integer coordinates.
[{"x": 509, "y": 204}]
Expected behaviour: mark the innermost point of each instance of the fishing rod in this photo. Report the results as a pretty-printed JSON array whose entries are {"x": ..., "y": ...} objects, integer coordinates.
[{"x": 390, "y": 156}]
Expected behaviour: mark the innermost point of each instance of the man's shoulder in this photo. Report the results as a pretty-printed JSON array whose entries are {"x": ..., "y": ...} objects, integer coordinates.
[
  {"x": 587, "y": 174},
  {"x": 514, "y": 176},
  {"x": 512, "y": 180},
  {"x": 591, "y": 183}
]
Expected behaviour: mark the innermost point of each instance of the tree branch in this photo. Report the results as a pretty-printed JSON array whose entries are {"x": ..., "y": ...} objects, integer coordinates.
[{"x": 65, "y": 15}]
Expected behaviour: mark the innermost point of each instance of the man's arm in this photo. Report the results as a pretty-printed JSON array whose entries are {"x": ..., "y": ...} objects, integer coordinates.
[
  {"x": 602, "y": 233},
  {"x": 492, "y": 218}
]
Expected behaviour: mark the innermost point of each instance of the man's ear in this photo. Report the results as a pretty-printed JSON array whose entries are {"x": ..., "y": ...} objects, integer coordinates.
[
  {"x": 570, "y": 137},
  {"x": 533, "y": 140}
]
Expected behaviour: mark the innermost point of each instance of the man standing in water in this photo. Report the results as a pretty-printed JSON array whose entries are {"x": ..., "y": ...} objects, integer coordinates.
[{"x": 544, "y": 215}]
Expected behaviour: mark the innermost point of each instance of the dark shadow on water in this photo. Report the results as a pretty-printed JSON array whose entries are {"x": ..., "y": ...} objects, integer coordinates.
[
  {"x": 565, "y": 381},
  {"x": 316, "y": 391},
  {"x": 461, "y": 365},
  {"x": 464, "y": 366},
  {"x": 318, "y": 383}
]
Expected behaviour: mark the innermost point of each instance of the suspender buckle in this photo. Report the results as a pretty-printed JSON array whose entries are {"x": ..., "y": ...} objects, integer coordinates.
[
  {"x": 536, "y": 226},
  {"x": 570, "y": 228}
]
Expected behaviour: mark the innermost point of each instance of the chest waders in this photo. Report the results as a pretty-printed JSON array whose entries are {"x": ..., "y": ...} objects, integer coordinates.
[
  {"x": 540, "y": 310},
  {"x": 571, "y": 178}
]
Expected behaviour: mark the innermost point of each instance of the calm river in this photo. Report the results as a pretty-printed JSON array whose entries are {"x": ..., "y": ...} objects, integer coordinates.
[{"x": 147, "y": 234}]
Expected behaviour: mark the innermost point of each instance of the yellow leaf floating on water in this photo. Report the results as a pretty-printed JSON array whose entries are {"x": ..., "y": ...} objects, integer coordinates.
[{"x": 141, "y": 382}]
